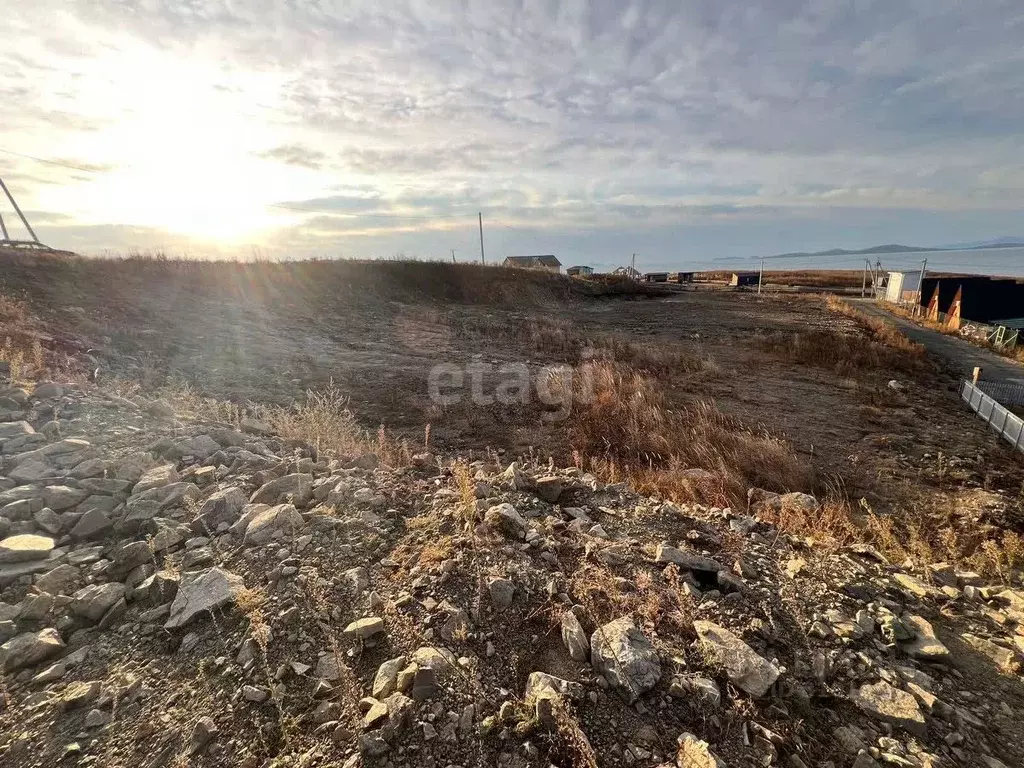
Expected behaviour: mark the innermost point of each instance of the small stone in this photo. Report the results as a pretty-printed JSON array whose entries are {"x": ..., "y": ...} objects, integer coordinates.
[
  {"x": 502, "y": 592},
  {"x": 574, "y": 638},
  {"x": 365, "y": 628}
]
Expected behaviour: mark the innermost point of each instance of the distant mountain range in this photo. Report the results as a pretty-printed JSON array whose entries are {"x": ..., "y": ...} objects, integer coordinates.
[{"x": 1000, "y": 242}]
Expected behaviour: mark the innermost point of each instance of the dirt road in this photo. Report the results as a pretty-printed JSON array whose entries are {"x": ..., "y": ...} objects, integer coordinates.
[{"x": 961, "y": 355}]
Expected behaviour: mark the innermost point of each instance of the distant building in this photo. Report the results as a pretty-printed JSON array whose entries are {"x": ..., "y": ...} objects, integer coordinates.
[
  {"x": 628, "y": 272},
  {"x": 656, "y": 277},
  {"x": 680, "y": 277},
  {"x": 547, "y": 262},
  {"x": 579, "y": 271},
  {"x": 903, "y": 287},
  {"x": 743, "y": 278}
]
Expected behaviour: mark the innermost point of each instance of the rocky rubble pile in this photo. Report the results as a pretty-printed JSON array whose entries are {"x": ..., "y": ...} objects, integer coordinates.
[{"x": 182, "y": 593}]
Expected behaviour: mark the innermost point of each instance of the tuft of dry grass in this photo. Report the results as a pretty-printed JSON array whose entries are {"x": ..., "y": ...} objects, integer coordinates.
[
  {"x": 623, "y": 429},
  {"x": 20, "y": 345},
  {"x": 870, "y": 344}
]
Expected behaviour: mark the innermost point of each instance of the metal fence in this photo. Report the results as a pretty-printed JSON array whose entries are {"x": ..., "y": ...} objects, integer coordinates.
[
  {"x": 1005, "y": 392},
  {"x": 998, "y": 417},
  {"x": 999, "y": 337}
]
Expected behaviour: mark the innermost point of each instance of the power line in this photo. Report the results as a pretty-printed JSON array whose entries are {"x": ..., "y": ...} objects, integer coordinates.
[
  {"x": 51, "y": 162},
  {"x": 329, "y": 212}
]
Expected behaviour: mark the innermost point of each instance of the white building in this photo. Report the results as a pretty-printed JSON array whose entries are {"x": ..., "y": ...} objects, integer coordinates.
[{"x": 903, "y": 287}]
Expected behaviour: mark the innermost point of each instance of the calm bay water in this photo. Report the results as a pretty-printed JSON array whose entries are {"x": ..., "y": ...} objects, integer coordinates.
[{"x": 991, "y": 261}]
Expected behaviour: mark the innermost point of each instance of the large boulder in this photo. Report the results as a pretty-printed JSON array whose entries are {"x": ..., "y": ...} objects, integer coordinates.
[
  {"x": 92, "y": 602},
  {"x": 505, "y": 518},
  {"x": 222, "y": 507},
  {"x": 267, "y": 523},
  {"x": 61, "y": 497},
  {"x": 25, "y": 547},
  {"x": 925, "y": 645},
  {"x": 199, "y": 593},
  {"x": 885, "y": 702},
  {"x": 296, "y": 488},
  {"x": 29, "y": 648},
  {"x": 156, "y": 477},
  {"x": 626, "y": 658},
  {"x": 746, "y": 669},
  {"x": 688, "y": 560}
]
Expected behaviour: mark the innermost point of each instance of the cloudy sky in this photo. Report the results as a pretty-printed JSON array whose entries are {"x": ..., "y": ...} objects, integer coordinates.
[{"x": 684, "y": 131}]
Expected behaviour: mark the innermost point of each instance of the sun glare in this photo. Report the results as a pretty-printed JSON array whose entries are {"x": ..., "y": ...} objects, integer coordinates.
[{"x": 184, "y": 152}]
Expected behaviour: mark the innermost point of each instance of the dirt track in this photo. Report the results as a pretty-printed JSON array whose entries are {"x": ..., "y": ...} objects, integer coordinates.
[{"x": 961, "y": 355}]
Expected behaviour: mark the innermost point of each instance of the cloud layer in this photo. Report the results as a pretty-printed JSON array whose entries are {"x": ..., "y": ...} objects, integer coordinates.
[{"x": 676, "y": 129}]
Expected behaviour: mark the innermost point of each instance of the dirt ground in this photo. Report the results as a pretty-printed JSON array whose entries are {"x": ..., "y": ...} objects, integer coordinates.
[{"x": 268, "y": 336}]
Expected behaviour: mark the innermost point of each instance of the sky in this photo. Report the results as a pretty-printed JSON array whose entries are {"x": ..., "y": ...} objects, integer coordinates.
[{"x": 689, "y": 133}]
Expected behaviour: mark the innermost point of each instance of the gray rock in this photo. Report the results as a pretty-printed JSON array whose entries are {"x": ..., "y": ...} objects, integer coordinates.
[
  {"x": 541, "y": 685},
  {"x": 31, "y": 471},
  {"x": 266, "y": 524},
  {"x": 574, "y": 638},
  {"x": 29, "y": 648},
  {"x": 156, "y": 477},
  {"x": 159, "y": 588},
  {"x": 222, "y": 507},
  {"x": 424, "y": 684},
  {"x": 688, "y": 560},
  {"x": 204, "y": 731},
  {"x": 94, "y": 524},
  {"x": 15, "y": 429},
  {"x": 61, "y": 497},
  {"x": 440, "y": 660},
  {"x": 502, "y": 591},
  {"x": 745, "y": 668},
  {"x": 925, "y": 646},
  {"x": 296, "y": 488},
  {"x": 505, "y": 518},
  {"x": 358, "y": 580},
  {"x": 549, "y": 488},
  {"x": 25, "y": 547},
  {"x": 386, "y": 680},
  {"x": 694, "y": 753},
  {"x": 199, "y": 593},
  {"x": 883, "y": 701},
  {"x": 698, "y": 691},
  {"x": 626, "y": 658},
  {"x": 60, "y": 580},
  {"x": 364, "y": 629},
  {"x": 93, "y": 601}
]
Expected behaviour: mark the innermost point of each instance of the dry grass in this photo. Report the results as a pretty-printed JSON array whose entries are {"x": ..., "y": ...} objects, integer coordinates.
[
  {"x": 623, "y": 429},
  {"x": 871, "y": 344},
  {"x": 20, "y": 342}
]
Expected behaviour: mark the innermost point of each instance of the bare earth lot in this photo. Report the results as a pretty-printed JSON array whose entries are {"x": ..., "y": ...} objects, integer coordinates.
[
  {"x": 263, "y": 333},
  {"x": 850, "y": 634}
]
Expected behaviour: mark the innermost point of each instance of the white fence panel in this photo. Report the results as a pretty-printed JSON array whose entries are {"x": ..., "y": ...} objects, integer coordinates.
[{"x": 999, "y": 418}]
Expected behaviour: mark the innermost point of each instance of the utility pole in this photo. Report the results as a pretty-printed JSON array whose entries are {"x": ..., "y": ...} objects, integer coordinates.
[
  {"x": 920, "y": 283},
  {"x": 17, "y": 210},
  {"x": 453, "y": 255},
  {"x": 864, "y": 280},
  {"x": 633, "y": 267},
  {"x": 480, "y": 216},
  {"x": 760, "y": 275}
]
